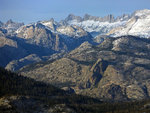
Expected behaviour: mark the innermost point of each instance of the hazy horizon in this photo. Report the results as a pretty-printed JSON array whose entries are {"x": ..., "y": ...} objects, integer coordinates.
[{"x": 29, "y": 11}]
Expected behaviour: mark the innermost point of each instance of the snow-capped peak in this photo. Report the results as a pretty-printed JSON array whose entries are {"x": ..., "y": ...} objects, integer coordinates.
[
  {"x": 141, "y": 13},
  {"x": 138, "y": 25}
]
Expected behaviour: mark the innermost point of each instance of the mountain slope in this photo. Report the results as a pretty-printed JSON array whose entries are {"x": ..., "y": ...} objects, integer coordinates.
[
  {"x": 111, "y": 70},
  {"x": 24, "y": 95},
  {"x": 9, "y": 50}
]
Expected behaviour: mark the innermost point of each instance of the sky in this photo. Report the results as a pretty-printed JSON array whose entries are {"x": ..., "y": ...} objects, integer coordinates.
[{"x": 29, "y": 11}]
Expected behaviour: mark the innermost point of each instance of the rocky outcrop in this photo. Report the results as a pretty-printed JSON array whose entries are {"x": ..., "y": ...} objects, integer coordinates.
[
  {"x": 112, "y": 92},
  {"x": 97, "y": 71}
]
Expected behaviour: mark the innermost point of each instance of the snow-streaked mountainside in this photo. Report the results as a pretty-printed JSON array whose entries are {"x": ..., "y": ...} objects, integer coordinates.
[
  {"x": 55, "y": 27},
  {"x": 138, "y": 25},
  {"x": 97, "y": 27}
]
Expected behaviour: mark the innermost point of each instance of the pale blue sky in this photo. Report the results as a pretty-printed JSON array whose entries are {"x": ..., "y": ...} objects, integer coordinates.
[{"x": 34, "y": 10}]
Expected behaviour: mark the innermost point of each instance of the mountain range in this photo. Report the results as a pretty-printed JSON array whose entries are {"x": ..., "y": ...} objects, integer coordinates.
[
  {"x": 117, "y": 69},
  {"x": 35, "y": 42}
]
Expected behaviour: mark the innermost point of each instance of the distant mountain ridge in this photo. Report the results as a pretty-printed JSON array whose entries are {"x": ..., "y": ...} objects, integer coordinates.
[
  {"x": 96, "y": 25},
  {"x": 109, "y": 25},
  {"x": 45, "y": 38},
  {"x": 109, "y": 18}
]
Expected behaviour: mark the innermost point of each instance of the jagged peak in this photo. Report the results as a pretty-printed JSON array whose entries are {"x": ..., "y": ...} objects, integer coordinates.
[
  {"x": 73, "y": 17},
  {"x": 107, "y": 18},
  {"x": 86, "y": 16},
  {"x": 9, "y": 21},
  {"x": 52, "y": 20}
]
